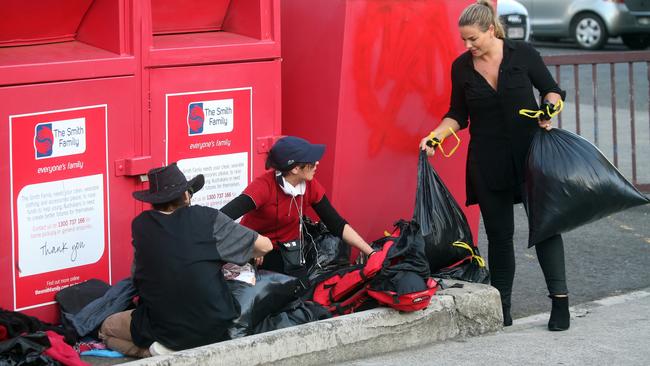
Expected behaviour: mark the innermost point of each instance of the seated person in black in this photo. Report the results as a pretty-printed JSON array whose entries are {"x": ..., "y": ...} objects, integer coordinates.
[{"x": 178, "y": 254}]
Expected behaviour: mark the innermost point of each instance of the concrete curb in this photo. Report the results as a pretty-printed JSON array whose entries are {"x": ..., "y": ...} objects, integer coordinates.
[{"x": 454, "y": 312}]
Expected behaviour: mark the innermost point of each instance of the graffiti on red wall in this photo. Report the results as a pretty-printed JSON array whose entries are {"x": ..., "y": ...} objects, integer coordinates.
[{"x": 401, "y": 64}]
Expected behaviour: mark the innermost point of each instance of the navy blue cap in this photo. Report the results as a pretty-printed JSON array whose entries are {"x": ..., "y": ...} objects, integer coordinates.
[{"x": 291, "y": 150}]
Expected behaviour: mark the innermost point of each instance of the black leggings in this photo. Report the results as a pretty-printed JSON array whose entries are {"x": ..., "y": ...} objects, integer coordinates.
[{"x": 498, "y": 218}]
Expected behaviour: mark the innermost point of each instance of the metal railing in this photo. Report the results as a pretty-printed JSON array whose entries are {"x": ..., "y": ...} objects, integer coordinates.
[{"x": 617, "y": 122}]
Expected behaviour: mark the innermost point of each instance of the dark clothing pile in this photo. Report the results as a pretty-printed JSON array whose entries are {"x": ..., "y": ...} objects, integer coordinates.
[
  {"x": 25, "y": 340},
  {"x": 14, "y": 324}
]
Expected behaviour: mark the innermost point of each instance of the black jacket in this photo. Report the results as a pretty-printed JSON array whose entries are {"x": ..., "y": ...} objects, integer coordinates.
[{"x": 500, "y": 137}]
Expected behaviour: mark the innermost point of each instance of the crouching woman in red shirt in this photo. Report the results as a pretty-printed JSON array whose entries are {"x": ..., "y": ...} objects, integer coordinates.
[{"x": 273, "y": 205}]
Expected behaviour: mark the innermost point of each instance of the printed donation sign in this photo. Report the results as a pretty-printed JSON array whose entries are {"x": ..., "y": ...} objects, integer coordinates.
[
  {"x": 59, "y": 195},
  {"x": 210, "y": 133}
]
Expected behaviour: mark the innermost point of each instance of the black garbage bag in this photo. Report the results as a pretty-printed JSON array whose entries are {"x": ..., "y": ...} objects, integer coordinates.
[
  {"x": 569, "y": 183},
  {"x": 441, "y": 220},
  {"x": 324, "y": 250},
  {"x": 271, "y": 293},
  {"x": 296, "y": 313},
  {"x": 472, "y": 268}
]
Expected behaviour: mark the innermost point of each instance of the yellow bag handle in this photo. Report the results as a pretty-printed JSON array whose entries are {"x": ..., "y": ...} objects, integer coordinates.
[
  {"x": 479, "y": 259},
  {"x": 434, "y": 142},
  {"x": 557, "y": 108}
]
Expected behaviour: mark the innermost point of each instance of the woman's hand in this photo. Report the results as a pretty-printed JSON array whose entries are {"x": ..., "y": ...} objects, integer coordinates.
[
  {"x": 423, "y": 146},
  {"x": 545, "y": 124}
]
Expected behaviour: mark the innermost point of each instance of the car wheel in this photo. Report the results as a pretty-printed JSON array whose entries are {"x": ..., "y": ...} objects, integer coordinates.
[
  {"x": 589, "y": 31},
  {"x": 636, "y": 41}
]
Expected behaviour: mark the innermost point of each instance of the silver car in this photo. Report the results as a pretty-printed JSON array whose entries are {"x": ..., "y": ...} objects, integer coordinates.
[
  {"x": 514, "y": 17},
  {"x": 591, "y": 22}
]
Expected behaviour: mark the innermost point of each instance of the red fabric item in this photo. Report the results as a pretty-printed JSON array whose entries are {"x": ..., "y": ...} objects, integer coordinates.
[
  {"x": 407, "y": 302},
  {"x": 3, "y": 333},
  {"x": 275, "y": 217},
  {"x": 346, "y": 290},
  {"x": 62, "y": 351},
  {"x": 81, "y": 347}
]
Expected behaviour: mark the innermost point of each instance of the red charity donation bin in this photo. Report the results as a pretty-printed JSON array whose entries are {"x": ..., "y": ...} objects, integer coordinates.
[
  {"x": 213, "y": 90},
  {"x": 97, "y": 93},
  {"x": 67, "y": 88},
  {"x": 377, "y": 81}
]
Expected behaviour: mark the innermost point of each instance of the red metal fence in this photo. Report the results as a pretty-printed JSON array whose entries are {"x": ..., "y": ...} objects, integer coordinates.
[{"x": 609, "y": 110}]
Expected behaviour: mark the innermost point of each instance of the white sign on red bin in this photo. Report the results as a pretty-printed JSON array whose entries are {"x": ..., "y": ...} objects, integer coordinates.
[
  {"x": 59, "y": 201},
  {"x": 210, "y": 133}
]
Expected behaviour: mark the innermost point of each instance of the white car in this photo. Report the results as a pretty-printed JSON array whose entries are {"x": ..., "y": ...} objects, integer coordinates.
[{"x": 514, "y": 17}]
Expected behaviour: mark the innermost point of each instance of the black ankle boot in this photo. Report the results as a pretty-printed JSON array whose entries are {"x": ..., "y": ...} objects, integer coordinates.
[
  {"x": 560, "y": 318},
  {"x": 507, "y": 319}
]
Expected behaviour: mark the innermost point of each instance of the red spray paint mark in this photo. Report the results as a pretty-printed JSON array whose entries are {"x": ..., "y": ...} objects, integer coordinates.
[{"x": 403, "y": 50}]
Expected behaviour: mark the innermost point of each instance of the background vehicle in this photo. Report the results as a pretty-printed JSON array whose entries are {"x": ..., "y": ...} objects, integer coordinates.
[
  {"x": 591, "y": 22},
  {"x": 514, "y": 17}
]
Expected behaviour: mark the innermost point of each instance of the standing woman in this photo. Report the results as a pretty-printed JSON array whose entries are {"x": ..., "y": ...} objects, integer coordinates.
[
  {"x": 491, "y": 82},
  {"x": 274, "y": 204}
]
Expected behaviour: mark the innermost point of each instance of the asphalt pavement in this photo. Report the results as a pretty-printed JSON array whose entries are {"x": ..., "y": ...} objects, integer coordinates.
[{"x": 605, "y": 258}]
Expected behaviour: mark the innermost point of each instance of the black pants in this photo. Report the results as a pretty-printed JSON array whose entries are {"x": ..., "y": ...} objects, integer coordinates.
[{"x": 498, "y": 218}]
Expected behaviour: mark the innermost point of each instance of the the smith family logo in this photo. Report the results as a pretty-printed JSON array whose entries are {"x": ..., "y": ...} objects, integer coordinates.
[
  {"x": 60, "y": 138},
  {"x": 208, "y": 117}
]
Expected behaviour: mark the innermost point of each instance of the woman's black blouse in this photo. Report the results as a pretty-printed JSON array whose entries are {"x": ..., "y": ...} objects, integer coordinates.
[{"x": 500, "y": 137}]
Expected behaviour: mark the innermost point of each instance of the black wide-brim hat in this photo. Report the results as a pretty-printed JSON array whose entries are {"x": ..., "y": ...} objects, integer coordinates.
[{"x": 167, "y": 184}]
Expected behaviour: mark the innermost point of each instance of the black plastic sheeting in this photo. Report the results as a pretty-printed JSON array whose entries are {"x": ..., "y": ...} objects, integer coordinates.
[
  {"x": 295, "y": 313},
  {"x": 569, "y": 183},
  {"x": 270, "y": 294}
]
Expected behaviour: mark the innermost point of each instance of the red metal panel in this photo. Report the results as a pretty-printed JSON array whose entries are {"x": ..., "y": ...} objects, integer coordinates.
[
  {"x": 240, "y": 100},
  {"x": 102, "y": 26},
  {"x": 106, "y": 111},
  {"x": 250, "y": 31},
  {"x": 310, "y": 90},
  {"x": 98, "y": 49},
  {"x": 377, "y": 80}
]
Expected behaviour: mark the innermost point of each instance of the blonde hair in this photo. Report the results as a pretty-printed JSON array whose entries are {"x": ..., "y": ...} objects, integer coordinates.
[{"x": 483, "y": 15}]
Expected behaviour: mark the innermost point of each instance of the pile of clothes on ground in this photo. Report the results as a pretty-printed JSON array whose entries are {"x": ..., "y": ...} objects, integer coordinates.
[{"x": 25, "y": 340}]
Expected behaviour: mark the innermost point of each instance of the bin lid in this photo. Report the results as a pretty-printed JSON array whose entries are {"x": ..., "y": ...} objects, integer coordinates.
[
  {"x": 183, "y": 16},
  {"x": 40, "y": 21}
]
